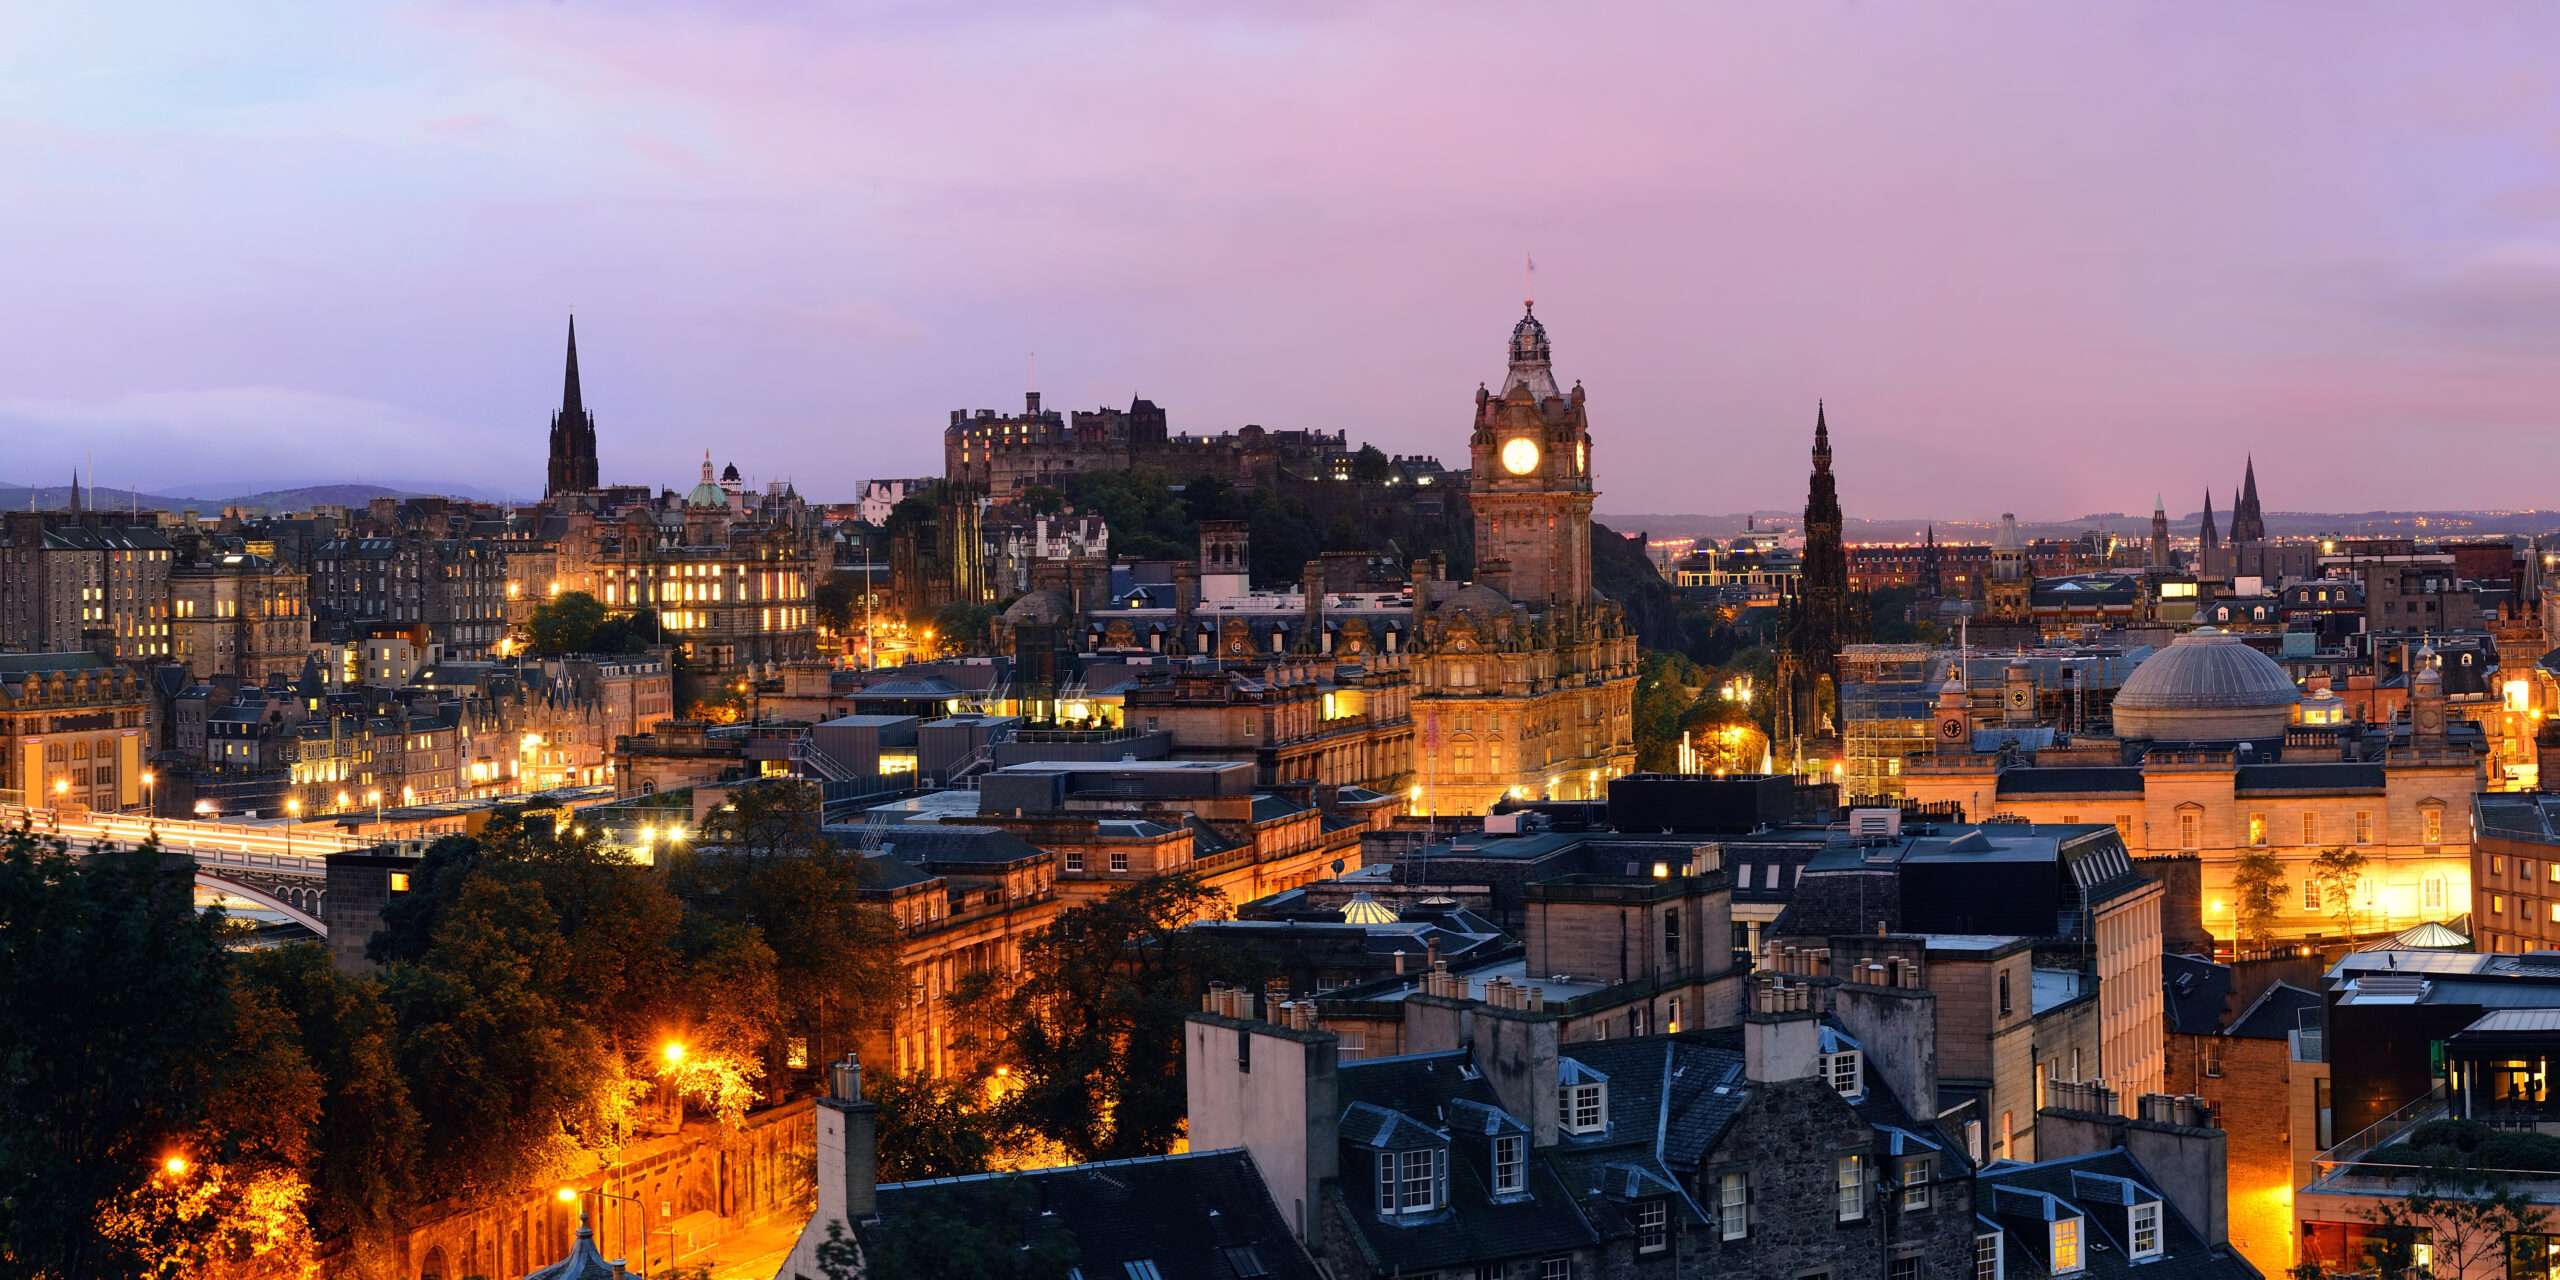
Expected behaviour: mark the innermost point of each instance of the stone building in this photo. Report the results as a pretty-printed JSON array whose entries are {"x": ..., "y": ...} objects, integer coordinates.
[
  {"x": 1524, "y": 680},
  {"x": 454, "y": 587},
  {"x": 2236, "y": 1040},
  {"x": 74, "y": 729},
  {"x": 2206, "y": 759},
  {"x": 236, "y": 614},
  {"x": 75, "y": 580},
  {"x": 999, "y": 456},
  {"x": 573, "y": 435},
  {"x": 1818, "y": 622}
]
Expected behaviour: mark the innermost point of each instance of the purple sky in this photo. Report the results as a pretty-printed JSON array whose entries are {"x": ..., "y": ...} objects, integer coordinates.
[{"x": 2043, "y": 257}]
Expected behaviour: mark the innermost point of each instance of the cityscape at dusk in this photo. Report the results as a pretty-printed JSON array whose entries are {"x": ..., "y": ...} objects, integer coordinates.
[{"x": 1342, "y": 642}]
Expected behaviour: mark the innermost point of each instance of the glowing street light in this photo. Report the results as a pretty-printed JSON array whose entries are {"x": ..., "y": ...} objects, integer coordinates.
[
  {"x": 672, "y": 1051},
  {"x": 567, "y": 1195},
  {"x": 175, "y": 1165}
]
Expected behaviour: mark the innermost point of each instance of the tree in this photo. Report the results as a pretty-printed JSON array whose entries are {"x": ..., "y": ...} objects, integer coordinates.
[
  {"x": 1370, "y": 466},
  {"x": 836, "y": 601},
  {"x": 762, "y": 861},
  {"x": 566, "y": 623},
  {"x": 365, "y": 1133},
  {"x": 2465, "y": 1218},
  {"x": 630, "y": 632},
  {"x": 933, "y": 1128},
  {"x": 112, "y": 1010},
  {"x": 1093, "y": 1033},
  {"x": 519, "y": 1084},
  {"x": 2339, "y": 872},
  {"x": 2257, "y": 892}
]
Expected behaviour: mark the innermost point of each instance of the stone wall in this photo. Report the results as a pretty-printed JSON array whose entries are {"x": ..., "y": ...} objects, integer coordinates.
[{"x": 694, "y": 1188}]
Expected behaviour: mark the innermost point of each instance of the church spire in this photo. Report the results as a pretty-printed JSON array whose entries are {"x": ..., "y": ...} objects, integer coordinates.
[
  {"x": 573, "y": 433},
  {"x": 75, "y": 491},
  {"x": 2205, "y": 538},
  {"x": 571, "y": 403},
  {"x": 1821, "y": 440}
]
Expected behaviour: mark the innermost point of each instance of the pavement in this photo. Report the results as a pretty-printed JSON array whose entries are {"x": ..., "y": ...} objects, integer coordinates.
[{"x": 756, "y": 1253}]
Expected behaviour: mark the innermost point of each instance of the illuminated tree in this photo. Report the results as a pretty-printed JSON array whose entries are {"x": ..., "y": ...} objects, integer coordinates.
[
  {"x": 2257, "y": 892},
  {"x": 2339, "y": 873}
]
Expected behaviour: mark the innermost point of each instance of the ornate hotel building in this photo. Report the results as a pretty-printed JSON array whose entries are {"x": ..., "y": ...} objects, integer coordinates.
[{"x": 1524, "y": 679}]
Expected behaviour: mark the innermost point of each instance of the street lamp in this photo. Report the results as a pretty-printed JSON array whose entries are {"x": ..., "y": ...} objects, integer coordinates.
[
  {"x": 175, "y": 1165},
  {"x": 374, "y": 797},
  {"x": 293, "y": 814},
  {"x": 148, "y": 778},
  {"x": 569, "y": 1195}
]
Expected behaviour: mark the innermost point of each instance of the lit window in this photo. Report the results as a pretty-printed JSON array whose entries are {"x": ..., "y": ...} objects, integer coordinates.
[
  {"x": 1851, "y": 1183},
  {"x": 2311, "y": 828},
  {"x": 2431, "y": 825},
  {"x": 2364, "y": 827},
  {"x": 2310, "y": 895},
  {"x": 2064, "y": 1234},
  {"x": 399, "y": 882},
  {"x": 1510, "y": 1164},
  {"x": 1915, "y": 1183},
  {"x": 1733, "y": 1205},
  {"x": 2258, "y": 830}
]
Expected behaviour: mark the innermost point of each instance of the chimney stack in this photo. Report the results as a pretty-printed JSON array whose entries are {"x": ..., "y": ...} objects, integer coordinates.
[{"x": 1782, "y": 1034}]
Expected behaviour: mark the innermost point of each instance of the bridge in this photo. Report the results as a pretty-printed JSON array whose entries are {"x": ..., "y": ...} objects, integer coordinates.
[{"x": 284, "y": 869}]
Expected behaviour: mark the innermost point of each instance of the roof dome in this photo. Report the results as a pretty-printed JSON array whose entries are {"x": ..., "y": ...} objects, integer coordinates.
[
  {"x": 1478, "y": 598},
  {"x": 2206, "y": 686},
  {"x": 706, "y": 494},
  {"x": 1038, "y": 608}
]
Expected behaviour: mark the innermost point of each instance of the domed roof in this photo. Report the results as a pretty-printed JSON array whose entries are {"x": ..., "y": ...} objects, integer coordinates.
[
  {"x": 2207, "y": 685},
  {"x": 1478, "y": 598},
  {"x": 1037, "y": 608},
  {"x": 1364, "y": 909}
]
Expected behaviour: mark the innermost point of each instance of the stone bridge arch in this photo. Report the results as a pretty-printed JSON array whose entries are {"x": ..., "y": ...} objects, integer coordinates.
[{"x": 297, "y": 902}]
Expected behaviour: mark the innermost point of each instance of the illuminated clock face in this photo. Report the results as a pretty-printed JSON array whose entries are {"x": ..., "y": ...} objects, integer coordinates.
[{"x": 1520, "y": 455}]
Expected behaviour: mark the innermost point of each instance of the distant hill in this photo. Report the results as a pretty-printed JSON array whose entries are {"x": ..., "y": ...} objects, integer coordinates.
[
  {"x": 1978, "y": 528},
  {"x": 17, "y": 497}
]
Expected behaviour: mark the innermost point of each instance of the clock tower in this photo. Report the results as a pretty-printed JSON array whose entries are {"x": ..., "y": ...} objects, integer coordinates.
[{"x": 1530, "y": 486}]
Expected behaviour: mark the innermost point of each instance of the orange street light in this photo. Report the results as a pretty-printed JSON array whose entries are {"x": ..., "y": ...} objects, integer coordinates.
[
  {"x": 174, "y": 1165},
  {"x": 672, "y": 1051},
  {"x": 567, "y": 1195}
]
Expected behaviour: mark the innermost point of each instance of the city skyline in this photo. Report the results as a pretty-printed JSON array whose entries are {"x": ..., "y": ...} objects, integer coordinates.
[{"x": 1999, "y": 251}]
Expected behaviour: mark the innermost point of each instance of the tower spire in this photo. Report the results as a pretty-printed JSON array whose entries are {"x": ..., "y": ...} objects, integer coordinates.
[{"x": 573, "y": 432}]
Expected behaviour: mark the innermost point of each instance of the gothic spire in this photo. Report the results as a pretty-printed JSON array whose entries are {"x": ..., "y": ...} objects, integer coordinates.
[
  {"x": 571, "y": 403},
  {"x": 75, "y": 490},
  {"x": 2204, "y": 536},
  {"x": 1821, "y": 439}
]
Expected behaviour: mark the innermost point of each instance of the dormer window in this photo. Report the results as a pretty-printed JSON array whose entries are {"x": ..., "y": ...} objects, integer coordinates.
[
  {"x": 2144, "y": 1241},
  {"x": 1510, "y": 1164},
  {"x": 1846, "y": 1072},
  {"x": 1582, "y": 1108},
  {"x": 1916, "y": 1175},
  {"x": 2063, "y": 1237},
  {"x": 1411, "y": 1182}
]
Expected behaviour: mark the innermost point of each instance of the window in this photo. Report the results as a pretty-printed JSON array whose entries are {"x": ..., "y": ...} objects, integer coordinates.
[
  {"x": 2146, "y": 1230},
  {"x": 2004, "y": 994},
  {"x": 2431, "y": 824},
  {"x": 1986, "y": 1257},
  {"x": 1142, "y": 1269},
  {"x": 2364, "y": 827},
  {"x": 1555, "y": 1269},
  {"x": 1119, "y": 859},
  {"x": 2064, "y": 1237},
  {"x": 2258, "y": 830},
  {"x": 2497, "y": 904},
  {"x": 1733, "y": 1205},
  {"x": 1579, "y": 1108},
  {"x": 2497, "y": 865},
  {"x": 1653, "y": 1226},
  {"x": 2008, "y": 1136},
  {"x": 1412, "y": 1181},
  {"x": 399, "y": 882},
  {"x": 1846, "y": 1071},
  {"x": 1510, "y": 1164},
  {"x": 2190, "y": 830},
  {"x": 1851, "y": 1184},
  {"x": 1075, "y": 860},
  {"x": 1671, "y": 935},
  {"x": 2310, "y": 828},
  {"x": 1915, "y": 1183},
  {"x": 1903, "y": 1268},
  {"x": 2432, "y": 892},
  {"x": 2310, "y": 895}
]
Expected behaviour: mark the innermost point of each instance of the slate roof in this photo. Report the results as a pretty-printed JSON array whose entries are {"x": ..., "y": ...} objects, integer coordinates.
[
  {"x": 2021, "y": 1201},
  {"x": 2071, "y": 779},
  {"x": 1204, "y": 1213},
  {"x": 1473, "y": 1226},
  {"x": 2193, "y": 991},
  {"x": 2275, "y": 1013},
  {"x": 2332, "y": 775},
  {"x": 928, "y": 843}
]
